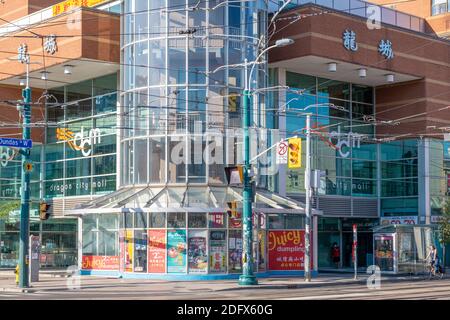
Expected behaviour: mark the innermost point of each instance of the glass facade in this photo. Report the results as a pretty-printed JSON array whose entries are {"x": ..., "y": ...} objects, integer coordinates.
[
  {"x": 439, "y": 7},
  {"x": 341, "y": 143}
]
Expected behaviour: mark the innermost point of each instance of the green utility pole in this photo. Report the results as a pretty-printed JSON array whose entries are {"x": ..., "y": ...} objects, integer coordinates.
[
  {"x": 247, "y": 277},
  {"x": 25, "y": 189}
]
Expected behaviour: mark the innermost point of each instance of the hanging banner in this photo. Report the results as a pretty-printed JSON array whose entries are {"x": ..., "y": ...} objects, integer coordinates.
[
  {"x": 156, "y": 251},
  {"x": 129, "y": 250},
  {"x": 295, "y": 153},
  {"x": 100, "y": 262},
  {"x": 176, "y": 251},
  {"x": 197, "y": 255},
  {"x": 287, "y": 250},
  {"x": 217, "y": 251}
]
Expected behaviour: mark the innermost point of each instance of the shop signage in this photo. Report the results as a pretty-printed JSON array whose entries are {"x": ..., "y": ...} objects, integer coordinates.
[
  {"x": 156, "y": 251},
  {"x": 286, "y": 250},
  {"x": 79, "y": 185},
  {"x": 50, "y": 45},
  {"x": 399, "y": 220},
  {"x": 385, "y": 49},
  {"x": 349, "y": 40},
  {"x": 100, "y": 262},
  {"x": 218, "y": 248},
  {"x": 344, "y": 143},
  {"x": 129, "y": 251},
  {"x": 197, "y": 256},
  {"x": 77, "y": 141},
  {"x": 68, "y": 5},
  {"x": 176, "y": 251}
]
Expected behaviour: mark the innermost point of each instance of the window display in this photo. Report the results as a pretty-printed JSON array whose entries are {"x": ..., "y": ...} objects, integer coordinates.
[{"x": 197, "y": 252}]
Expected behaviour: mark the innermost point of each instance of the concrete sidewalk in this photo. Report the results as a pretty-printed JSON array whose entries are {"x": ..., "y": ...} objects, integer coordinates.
[{"x": 58, "y": 282}]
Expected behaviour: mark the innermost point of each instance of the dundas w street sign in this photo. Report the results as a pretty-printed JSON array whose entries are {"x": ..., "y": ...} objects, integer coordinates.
[{"x": 16, "y": 143}]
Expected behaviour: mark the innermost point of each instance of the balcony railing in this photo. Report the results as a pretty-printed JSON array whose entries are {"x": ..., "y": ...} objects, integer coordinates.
[{"x": 359, "y": 8}]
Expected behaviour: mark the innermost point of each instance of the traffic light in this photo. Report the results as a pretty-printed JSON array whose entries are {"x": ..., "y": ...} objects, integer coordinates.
[
  {"x": 233, "y": 211},
  {"x": 43, "y": 211},
  {"x": 295, "y": 153}
]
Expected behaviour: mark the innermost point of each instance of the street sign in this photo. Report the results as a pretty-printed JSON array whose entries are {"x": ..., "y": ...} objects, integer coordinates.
[
  {"x": 282, "y": 152},
  {"x": 16, "y": 143}
]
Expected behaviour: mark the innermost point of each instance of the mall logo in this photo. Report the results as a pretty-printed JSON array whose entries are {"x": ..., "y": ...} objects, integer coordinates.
[
  {"x": 77, "y": 141},
  {"x": 6, "y": 155},
  {"x": 345, "y": 142}
]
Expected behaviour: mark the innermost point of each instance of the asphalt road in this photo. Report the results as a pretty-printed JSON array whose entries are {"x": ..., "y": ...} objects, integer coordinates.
[{"x": 325, "y": 288}]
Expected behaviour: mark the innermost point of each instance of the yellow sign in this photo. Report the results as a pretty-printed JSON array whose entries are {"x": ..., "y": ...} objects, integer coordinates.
[
  {"x": 295, "y": 153},
  {"x": 68, "y": 5},
  {"x": 63, "y": 134}
]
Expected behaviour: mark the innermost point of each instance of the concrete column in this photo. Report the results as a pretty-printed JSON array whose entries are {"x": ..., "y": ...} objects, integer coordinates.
[{"x": 424, "y": 181}]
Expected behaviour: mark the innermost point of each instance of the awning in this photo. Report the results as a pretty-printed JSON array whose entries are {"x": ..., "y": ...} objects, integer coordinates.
[{"x": 186, "y": 198}]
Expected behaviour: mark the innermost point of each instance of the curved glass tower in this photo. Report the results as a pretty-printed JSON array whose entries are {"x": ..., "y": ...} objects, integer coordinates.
[{"x": 180, "y": 102}]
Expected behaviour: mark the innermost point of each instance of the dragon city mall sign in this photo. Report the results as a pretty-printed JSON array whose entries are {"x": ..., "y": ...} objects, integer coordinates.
[{"x": 78, "y": 141}]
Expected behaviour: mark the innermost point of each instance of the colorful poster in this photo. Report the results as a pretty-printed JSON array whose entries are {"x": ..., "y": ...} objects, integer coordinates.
[
  {"x": 197, "y": 253},
  {"x": 140, "y": 251},
  {"x": 261, "y": 250},
  {"x": 156, "y": 251},
  {"x": 286, "y": 250},
  {"x": 217, "y": 220},
  {"x": 121, "y": 250},
  {"x": 100, "y": 262},
  {"x": 176, "y": 251},
  {"x": 217, "y": 251},
  {"x": 129, "y": 249},
  {"x": 235, "y": 251}
]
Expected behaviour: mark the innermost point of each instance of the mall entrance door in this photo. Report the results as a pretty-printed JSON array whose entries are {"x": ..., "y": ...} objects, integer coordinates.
[{"x": 365, "y": 249}]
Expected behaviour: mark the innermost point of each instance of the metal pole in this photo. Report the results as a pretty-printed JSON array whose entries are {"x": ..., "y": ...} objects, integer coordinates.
[
  {"x": 25, "y": 190},
  {"x": 247, "y": 277},
  {"x": 355, "y": 250},
  {"x": 308, "y": 199}
]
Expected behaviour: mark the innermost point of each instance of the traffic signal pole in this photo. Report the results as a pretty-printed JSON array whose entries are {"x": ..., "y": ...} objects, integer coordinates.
[
  {"x": 247, "y": 277},
  {"x": 25, "y": 190}
]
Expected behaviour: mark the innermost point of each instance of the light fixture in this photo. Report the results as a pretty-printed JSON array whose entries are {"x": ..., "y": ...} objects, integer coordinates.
[
  {"x": 68, "y": 69},
  {"x": 390, "y": 78},
  {"x": 332, "y": 67},
  {"x": 362, "y": 73},
  {"x": 284, "y": 42},
  {"x": 44, "y": 75},
  {"x": 22, "y": 82}
]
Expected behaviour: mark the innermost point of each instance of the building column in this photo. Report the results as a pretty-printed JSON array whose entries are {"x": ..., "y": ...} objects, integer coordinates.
[{"x": 423, "y": 172}]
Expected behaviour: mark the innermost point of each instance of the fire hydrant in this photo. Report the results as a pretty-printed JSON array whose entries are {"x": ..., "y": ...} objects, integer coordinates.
[{"x": 16, "y": 271}]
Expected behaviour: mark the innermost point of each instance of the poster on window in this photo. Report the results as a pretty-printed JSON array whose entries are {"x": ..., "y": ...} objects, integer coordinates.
[
  {"x": 140, "y": 251},
  {"x": 235, "y": 251},
  {"x": 100, "y": 262},
  {"x": 176, "y": 251},
  {"x": 121, "y": 250},
  {"x": 217, "y": 220},
  {"x": 286, "y": 250},
  {"x": 217, "y": 251},
  {"x": 129, "y": 246},
  {"x": 156, "y": 251},
  {"x": 262, "y": 250},
  {"x": 197, "y": 253}
]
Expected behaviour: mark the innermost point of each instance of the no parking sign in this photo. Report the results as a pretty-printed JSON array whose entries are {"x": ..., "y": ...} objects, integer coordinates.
[{"x": 282, "y": 152}]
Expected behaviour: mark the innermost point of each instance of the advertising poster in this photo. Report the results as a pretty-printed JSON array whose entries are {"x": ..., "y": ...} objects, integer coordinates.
[
  {"x": 121, "y": 250},
  {"x": 140, "y": 251},
  {"x": 287, "y": 250},
  {"x": 236, "y": 222},
  {"x": 262, "y": 250},
  {"x": 129, "y": 248},
  {"x": 197, "y": 253},
  {"x": 156, "y": 251},
  {"x": 217, "y": 251},
  {"x": 100, "y": 262},
  {"x": 176, "y": 251},
  {"x": 384, "y": 251},
  {"x": 235, "y": 251},
  {"x": 217, "y": 220}
]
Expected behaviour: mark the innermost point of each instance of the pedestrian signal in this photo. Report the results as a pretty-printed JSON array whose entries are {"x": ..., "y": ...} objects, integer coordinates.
[
  {"x": 43, "y": 211},
  {"x": 295, "y": 153}
]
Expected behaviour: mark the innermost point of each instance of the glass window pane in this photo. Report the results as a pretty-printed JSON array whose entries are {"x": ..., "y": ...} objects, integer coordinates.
[
  {"x": 197, "y": 220},
  {"x": 176, "y": 220},
  {"x": 157, "y": 220}
]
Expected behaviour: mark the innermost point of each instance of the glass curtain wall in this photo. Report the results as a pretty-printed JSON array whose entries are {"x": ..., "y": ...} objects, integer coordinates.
[
  {"x": 80, "y": 150},
  {"x": 177, "y": 104},
  {"x": 342, "y": 143}
]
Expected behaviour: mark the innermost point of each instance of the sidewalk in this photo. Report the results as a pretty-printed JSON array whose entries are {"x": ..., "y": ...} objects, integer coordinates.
[{"x": 55, "y": 282}]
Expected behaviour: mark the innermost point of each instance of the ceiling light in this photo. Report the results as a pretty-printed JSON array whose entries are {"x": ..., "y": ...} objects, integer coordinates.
[
  {"x": 22, "y": 82},
  {"x": 44, "y": 75},
  {"x": 68, "y": 69},
  {"x": 390, "y": 78},
  {"x": 332, "y": 67},
  {"x": 362, "y": 73}
]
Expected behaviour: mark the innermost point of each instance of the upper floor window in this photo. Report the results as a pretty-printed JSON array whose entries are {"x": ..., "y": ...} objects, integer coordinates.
[{"x": 439, "y": 7}]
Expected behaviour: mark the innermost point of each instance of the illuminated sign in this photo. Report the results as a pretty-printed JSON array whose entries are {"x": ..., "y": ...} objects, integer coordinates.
[
  {"x": 78, "y": 141},
  {"x": 68, "y": 5}
]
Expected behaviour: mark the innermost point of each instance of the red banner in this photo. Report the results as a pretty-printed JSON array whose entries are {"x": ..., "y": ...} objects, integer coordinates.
[
  {"x": 156, "y": 251},
  {"x": 100, "y": 262},
  {"x": 287, "y": 250}
]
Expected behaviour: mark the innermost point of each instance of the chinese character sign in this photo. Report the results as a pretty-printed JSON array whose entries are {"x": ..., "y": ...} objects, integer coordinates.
[
  {"x": 349, "y": 39},
  {"x": 385, "y": 48},
  {"x": 50, "y": 45},
  {"x": 286, "y": 250}
]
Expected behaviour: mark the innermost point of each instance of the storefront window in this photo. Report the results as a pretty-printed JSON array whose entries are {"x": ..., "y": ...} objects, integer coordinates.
[
  {"x": 157, "y": 220},
  {"x": 197, "y": 220},
  {"x": 235, "y": 251},
  {"x": 176, "y": 220}
]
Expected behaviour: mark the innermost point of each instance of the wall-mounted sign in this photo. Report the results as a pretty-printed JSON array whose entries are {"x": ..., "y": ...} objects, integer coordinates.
[
  {"x": 22, "y": 54},
  {"x": 77, "y": 141},
  {"x": 399, "y": 220},
  {"x": 345, "y": 142},
  {"x": 50, "y": 45},
  {"x": 349, "y": 40},
  {"x": 68, "y": 5},
  {"x": 385, "y": 48}
]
